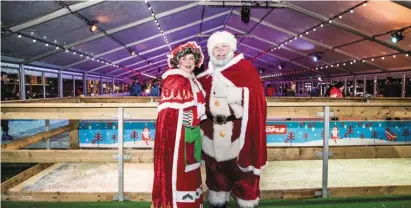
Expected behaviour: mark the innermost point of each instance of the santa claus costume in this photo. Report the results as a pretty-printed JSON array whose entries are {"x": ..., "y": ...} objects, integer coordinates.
[
  {"x": 177, "y": 148},
  {"x": 234, "y": 138}
]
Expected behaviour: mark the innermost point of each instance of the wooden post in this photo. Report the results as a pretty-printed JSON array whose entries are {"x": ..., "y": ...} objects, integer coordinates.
[{"x": 74, "y": 142}]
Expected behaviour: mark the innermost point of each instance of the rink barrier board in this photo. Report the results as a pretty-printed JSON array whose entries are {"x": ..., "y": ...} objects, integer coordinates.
[
  {"x": 134, "y": 99},
  {"x": 43, "y": 136},
  {"x": 146, "y": 196},
  {"x": 142, "y": 111},
  {"x": 141, "y": 134},
  {"x": 23, "y": 176},
  {"x": 146, "y": 155},
  {"x": 44, "y": 108}
]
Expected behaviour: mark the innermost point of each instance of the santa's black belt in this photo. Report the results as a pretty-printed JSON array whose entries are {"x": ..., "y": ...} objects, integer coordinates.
[{"x": 220, "y": 119}]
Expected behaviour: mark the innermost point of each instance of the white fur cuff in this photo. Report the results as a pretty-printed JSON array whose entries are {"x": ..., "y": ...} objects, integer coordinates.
[
  {"x": 248, "y": 203},
  {"x": 234, "y": 95},
  {"x": 218, "y": 197}
]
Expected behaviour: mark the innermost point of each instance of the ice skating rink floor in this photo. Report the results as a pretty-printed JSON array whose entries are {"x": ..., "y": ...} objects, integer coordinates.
[{"x": 279, "y": 175}]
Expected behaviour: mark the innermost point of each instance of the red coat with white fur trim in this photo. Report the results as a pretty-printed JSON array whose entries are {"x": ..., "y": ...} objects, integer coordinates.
[{"x": 244, "y": 138}]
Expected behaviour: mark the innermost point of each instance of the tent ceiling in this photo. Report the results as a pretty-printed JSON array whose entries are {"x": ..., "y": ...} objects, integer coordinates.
[{"x": 126, "y": 25}]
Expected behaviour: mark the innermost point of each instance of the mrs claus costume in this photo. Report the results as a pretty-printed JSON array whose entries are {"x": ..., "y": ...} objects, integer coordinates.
[{"x": 177, "y": 147}]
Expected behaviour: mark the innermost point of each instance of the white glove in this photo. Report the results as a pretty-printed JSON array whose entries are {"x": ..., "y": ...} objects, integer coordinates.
[
  {"x": 201, "y": 110},
  {"x": 220, "y": 91}
]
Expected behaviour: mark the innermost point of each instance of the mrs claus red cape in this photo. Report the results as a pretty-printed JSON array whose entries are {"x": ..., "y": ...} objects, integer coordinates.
[{"x": 240, "y": 73}]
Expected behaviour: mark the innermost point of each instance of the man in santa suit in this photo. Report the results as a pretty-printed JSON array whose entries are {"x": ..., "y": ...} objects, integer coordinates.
[{"x": 234, "y": 138}]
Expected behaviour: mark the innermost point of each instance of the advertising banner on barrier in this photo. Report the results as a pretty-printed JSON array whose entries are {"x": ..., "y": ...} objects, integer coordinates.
[{"x": 279, "y": 133}]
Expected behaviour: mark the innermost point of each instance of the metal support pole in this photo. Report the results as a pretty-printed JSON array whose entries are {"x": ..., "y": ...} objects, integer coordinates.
[
  {"x": 22, "y": 82},
  {"x": 321, "y": 89},
  {"x": 43, "y": 83},
  {"x": 112, "y": 87},
  {"x": 74, "y": 86},
  {"x": 60, "y": 83},
  {"x": 47, "y": 122},
  {"x": 404, "y": 82},
  {"x": 345, "y": 86},
  {"x": 120, "y": 154},
  {"x": 84, "y": 84},
  {"x": 375, "y": 86},
  {"x": 364, "y": 86},
  {"x": 101, "y": 86},
  {"x": 325, "y": 151},
  {"x": 355, "y": 86}
]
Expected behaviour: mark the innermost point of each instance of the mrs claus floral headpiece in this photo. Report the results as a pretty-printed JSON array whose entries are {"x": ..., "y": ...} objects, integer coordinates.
[{"x": 182, "y": 50}]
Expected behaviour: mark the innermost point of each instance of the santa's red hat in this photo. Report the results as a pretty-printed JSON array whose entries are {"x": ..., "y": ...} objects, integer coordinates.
[
  {"x": 184, "y": 49},
  {"x": 221, "y": 37}
]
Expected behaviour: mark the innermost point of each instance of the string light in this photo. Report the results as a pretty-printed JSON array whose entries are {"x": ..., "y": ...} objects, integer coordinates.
[
  {"x": 337, "y": 65},
  {"x": 54, "y": 43},
  {"x": 312, "y": 29},
  {"x": 147, "y": 75}
]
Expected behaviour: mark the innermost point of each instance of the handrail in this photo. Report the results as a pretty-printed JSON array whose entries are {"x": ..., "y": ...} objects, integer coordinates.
[{"x": 154, "y": 105}]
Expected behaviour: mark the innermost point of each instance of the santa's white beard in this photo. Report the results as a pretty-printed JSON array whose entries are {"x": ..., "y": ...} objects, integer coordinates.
[{"x": 221, "y": 63}]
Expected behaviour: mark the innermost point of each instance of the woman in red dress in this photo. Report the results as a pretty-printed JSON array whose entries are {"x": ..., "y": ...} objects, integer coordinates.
[{"x": 177, "y": 147}]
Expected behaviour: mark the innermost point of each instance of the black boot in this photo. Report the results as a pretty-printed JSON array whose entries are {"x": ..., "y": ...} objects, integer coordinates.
[
  {"x": 6, "y": 136},
  {"x": 219, "y": 206},
  {"x": 243, "y": 207}
]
